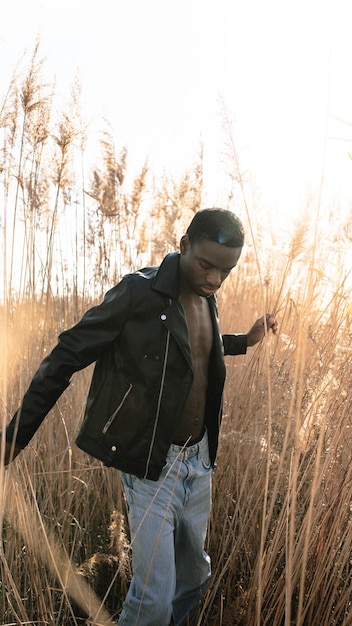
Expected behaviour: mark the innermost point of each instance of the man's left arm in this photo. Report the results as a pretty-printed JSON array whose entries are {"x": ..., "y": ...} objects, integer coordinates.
[{"x": 238, "y": 344}]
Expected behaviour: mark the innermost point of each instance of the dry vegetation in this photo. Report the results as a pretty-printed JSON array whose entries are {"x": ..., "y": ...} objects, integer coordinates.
[{"x": 280, "y": 533}]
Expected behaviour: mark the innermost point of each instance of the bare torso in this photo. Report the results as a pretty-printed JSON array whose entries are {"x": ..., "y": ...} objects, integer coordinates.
[{"x": 200, "y": 331}]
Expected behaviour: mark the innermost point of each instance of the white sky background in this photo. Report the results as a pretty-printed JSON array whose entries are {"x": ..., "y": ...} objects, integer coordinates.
[{"x": 156, "y": 69}]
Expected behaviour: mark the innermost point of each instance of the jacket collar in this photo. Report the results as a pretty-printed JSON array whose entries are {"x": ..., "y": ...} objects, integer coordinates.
[{"x": 167, "y": 279}]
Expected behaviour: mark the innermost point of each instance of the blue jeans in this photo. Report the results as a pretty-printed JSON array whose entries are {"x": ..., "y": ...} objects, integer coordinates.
[{"x": 168, "y": 522}]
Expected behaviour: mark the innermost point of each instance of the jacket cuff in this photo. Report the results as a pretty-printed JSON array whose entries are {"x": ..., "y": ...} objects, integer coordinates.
[
  {"x": 235, "y": 344},
  {"x": 242, "y": 343}
]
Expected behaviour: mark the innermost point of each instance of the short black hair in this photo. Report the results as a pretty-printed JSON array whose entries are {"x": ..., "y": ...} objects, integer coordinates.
[{"x": 219, "y": 225}]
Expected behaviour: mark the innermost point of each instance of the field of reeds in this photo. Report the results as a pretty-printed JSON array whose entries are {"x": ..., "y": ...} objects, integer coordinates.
[{"x": 280, "y": 534}]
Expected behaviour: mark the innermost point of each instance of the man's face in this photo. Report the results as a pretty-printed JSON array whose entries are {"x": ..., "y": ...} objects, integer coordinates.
[{"x": 205, "y": 264}]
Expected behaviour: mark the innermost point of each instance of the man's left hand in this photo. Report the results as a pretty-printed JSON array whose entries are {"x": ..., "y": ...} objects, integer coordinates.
[{"x": 260, "y": 327}]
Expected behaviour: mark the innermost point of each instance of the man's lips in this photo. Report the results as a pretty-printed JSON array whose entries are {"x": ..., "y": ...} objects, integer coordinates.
[{"x": 208, "y": 291}]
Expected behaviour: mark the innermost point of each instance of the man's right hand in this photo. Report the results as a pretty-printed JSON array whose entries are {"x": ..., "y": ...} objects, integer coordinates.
[{"x": 11, "y": 452}]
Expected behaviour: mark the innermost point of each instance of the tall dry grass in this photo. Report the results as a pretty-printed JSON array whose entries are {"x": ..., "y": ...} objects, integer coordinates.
[
  {"x": 279, "y": 535},
  {"x": 283, "y": 487}
]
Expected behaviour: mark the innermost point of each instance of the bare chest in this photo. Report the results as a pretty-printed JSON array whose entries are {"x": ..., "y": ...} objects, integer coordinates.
[
  {"x": 190, "y": 426},
  {"x": 199, "y": 329}
]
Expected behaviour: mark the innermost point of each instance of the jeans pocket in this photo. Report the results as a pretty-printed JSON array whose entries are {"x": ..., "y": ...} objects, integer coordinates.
[{"x": 205, "y": 459}]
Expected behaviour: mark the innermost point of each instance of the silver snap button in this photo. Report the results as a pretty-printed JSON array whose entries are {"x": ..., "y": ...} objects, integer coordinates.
[
  {"x": 163, "y": 317},
  {"x": 113, "y": 448}
]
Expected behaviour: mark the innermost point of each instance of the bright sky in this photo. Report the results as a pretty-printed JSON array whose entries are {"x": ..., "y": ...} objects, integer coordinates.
[{"x": 156, "y": 70}]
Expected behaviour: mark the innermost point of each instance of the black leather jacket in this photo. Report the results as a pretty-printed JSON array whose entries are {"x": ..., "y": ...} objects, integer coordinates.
[{"x": 138, "y": 338}]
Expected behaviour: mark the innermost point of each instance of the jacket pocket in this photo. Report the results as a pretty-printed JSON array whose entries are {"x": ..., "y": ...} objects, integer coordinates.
[{"x": 118, "y": 408}]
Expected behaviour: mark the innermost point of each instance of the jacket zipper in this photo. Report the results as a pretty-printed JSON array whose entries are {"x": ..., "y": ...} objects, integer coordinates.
[
  {"x": 112, "y": 417},
  {"x": 159, "y": 401}
]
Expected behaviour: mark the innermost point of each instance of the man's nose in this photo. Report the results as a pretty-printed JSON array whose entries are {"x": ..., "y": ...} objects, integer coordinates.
[{"x": 214, "y": 278}]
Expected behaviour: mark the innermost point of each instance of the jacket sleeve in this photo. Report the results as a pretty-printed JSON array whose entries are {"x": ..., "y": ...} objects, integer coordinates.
[
  {"x": 77, "y": 348},
  {"x": 234, "y": 344}
]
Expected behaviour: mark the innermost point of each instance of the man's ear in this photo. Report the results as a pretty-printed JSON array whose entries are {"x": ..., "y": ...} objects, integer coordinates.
[{"x": 185, "y": 244}]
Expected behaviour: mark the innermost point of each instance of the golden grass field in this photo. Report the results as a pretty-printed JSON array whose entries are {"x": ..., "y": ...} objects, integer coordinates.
[{"x": 280, "y": 533}]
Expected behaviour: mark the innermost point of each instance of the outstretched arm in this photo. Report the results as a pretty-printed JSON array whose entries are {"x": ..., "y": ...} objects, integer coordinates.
[
  {"x": 77, "y": 348},
  {"x": 260, "y": 327}
]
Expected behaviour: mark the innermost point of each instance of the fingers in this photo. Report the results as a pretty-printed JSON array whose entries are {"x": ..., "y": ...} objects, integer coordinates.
[
  {"x": 259, "y": 328},
  {"x": 272, "y": 323}
]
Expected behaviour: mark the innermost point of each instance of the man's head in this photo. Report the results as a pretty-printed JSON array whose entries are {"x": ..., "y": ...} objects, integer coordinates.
[
  {"x": 210, "y": 249},
  {"x": 218, "y": 225}
]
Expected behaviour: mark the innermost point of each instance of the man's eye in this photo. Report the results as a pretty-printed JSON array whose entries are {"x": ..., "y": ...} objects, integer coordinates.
[{"x": 204, "y": 266}]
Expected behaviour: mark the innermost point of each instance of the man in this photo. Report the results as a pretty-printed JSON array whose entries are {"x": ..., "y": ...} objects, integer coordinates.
[{"x": 154, "y": 407}]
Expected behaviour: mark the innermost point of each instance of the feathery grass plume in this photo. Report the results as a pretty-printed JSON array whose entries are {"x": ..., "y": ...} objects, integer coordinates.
[
  {"x": 64, "y": 135},
  {"x": 8, "y": 124},
  {"x": 33, "y": 107},
  {"x": 109, "y": 219},
  {"x": 134, "y": 242},
  {"x": 174, "y": 206},
  {"x": 35, "y": 193},
  {"x": 106, "y": 186},
  {"x": 9, "y": 114},
  {"x": 109, "y": 573},
  {"x": 81, "y": 140},
  {"x": 187, "y": 193}
]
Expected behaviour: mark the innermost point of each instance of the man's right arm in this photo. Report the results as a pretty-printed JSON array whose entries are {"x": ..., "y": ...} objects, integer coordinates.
[{"x": 77, "y": 348}]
